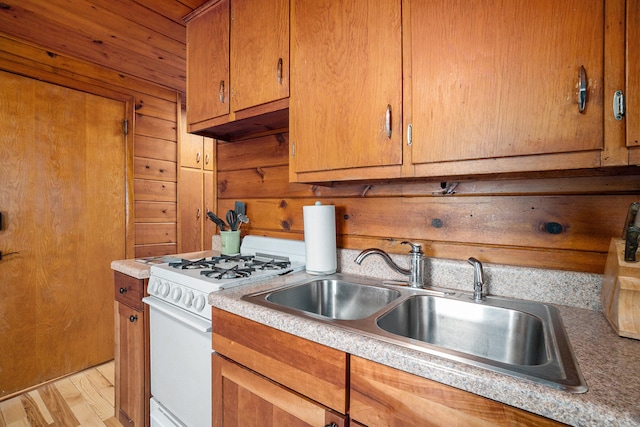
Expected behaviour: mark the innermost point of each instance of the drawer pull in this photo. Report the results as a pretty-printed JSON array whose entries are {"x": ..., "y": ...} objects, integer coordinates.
[
  {"x": 123, "y": 290},
  {"x": 133, "y": 318}
]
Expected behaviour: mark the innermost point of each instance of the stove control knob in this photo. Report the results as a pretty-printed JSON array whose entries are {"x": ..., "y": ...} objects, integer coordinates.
[
  {"x": 176, "y": 293},
  {"x": 163, "y": 289},
  {"x": 187, "y": 300},
  {"x": 153, "y": 286},
  {"x": 199, "y": 303}
]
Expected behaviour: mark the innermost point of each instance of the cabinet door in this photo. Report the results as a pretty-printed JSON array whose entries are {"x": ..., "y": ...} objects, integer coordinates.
[
  {"x": 346, "y": 85},
  {"x": 208, "y": 63},
  {"x": 242, "y": 398},
  {"x": 633, "y": 81},
  {"x": 190, "y": 204},
  {"x": 259, "y": 52},
  {"x": 209, "y": 228},
  {"x": 131, "y": 397},
  {"x": 500, "y": 78},
  {"x": 381, "y": 395},
  {"x": 209, "y": 154},
  {"x": 191, "y": 150}
]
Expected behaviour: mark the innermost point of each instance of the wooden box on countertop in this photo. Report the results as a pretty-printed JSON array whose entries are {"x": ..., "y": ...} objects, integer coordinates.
[{"x": 621, "y": 292}]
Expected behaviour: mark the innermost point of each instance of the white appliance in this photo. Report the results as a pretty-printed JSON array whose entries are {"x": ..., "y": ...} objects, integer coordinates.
[{"x": 180, "y": 322}]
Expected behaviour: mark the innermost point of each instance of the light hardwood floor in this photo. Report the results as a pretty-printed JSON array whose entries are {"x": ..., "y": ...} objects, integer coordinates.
[{"x": 82, "y": 399}]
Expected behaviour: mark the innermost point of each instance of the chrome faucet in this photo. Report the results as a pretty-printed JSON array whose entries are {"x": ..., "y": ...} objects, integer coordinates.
[
  {"x": 478, "y": 279},
  {"x": 416, "y": 269}
]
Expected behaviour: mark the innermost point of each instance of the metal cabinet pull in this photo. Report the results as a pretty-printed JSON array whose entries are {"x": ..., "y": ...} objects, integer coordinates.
[
  {"x": 133, "y": 318},
  {"x": 123, "y": 290},
  {"x": 206, "y": 159},
  {"x": 198, "y": 157},
  {"x": 279, "y": 72},
  {"x": 387, "y": 121},
  {"x": 221, "y": 91},
  {"x": 198, "y": 213},
  {"x": 582, "y": 92}
]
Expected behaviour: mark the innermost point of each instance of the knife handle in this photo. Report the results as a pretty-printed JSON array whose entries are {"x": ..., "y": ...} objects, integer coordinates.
[{"x": 631, "y": 244}]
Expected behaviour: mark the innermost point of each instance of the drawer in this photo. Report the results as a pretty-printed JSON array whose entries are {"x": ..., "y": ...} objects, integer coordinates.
[
  {"x": 308, "y": 368},
  {"x": 129, "y": 290}
]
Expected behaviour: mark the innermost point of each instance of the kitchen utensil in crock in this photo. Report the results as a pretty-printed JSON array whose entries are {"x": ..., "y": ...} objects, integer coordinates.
[
  {"x": 232, "y": 219},
  {"x": 216, "y": 220}
]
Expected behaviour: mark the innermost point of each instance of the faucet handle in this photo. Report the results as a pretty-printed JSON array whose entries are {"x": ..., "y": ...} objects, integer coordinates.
[
  {"x": 416, "y": 248},
  {"x": 478, "y": 278}
]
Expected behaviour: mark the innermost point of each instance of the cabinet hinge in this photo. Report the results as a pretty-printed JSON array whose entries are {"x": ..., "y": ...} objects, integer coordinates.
[
  {"x": 618, "y": 105},
  {"x": 409, "y": 134},
  {"x": 125, "y": 126}
]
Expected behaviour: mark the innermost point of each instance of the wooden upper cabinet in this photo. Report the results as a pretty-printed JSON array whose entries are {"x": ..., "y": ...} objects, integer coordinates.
[
  {"x": 633, "y": 81},
  {"x": 238, "y": 68},
  {"x": 259, "y": 52},
  {"x": 208, "y": 63},
  {"x": 346, "y": 89},
  {"x": 500, "y": 79}
]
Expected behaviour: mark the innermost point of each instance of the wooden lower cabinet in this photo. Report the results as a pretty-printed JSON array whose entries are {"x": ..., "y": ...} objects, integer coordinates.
[
  {"x": 243, "y": 398},
  {"x": 381, "y": 395},
  {"x": 263, "y": 376},
  {"x": 132, "y": 380}
]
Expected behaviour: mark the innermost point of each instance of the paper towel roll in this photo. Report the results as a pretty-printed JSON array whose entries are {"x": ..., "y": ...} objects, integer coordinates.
[{"x": 320, "y": 238}]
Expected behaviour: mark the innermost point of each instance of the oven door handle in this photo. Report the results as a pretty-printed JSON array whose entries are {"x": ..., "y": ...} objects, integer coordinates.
[{"x": 178, "y": 314}]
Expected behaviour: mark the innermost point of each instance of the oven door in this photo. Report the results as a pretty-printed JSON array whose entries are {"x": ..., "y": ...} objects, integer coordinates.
[{"x": 180, "y": 365}]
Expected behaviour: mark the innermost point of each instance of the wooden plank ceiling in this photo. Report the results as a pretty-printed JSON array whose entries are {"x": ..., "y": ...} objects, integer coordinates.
[{"x": 140, "y": 38}]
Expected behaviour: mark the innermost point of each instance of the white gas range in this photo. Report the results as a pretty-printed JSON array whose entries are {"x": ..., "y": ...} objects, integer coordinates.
[
  {"x": 187, "y": 283},
  {"x": 180, "y": 322}
]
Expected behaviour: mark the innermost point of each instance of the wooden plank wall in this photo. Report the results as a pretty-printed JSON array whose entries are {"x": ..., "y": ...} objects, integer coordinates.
[
  {"x": 152, "y": 224},
  {"x": 559, "y": 223},
  {"x": 141, "y": 38}
]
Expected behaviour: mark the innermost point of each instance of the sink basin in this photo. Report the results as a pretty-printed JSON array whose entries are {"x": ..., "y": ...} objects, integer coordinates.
[
  {"x": 334, "y": 298},
  {"x": 519, "y": 338},
  {"x": 501, "y": 334}
]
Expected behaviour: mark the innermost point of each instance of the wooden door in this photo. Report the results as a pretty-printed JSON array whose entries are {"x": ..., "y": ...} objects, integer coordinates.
[
  {"x": 242, "y": 398},
  {"x": 347, "y": 73},
  {"x": 208, "y": 64},
  {"x": 500, "y": 78},
  {"x": 62, "y": 198},
  {"x": 259, "y": 52}
]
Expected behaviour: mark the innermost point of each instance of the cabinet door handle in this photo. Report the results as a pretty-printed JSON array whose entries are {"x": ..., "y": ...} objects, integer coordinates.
[
  {"x": 206, "y": 159},
  {"x": 387, "y": 121},
  {"x": 221, "y": 91},
  {"x": 133, "y": 318},
  {"x": 198, "y": 213},
  {"x": 582, "y": 92},
  {"x": 279, "y": 71},
  {"x": 123, "y": 290},
  {"x": 198, "y": 157}
]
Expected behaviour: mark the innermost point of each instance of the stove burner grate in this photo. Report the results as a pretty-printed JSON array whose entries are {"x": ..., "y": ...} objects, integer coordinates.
[
  {"x": 186, "y": 264},
  {"x": 228, "y": 273}
]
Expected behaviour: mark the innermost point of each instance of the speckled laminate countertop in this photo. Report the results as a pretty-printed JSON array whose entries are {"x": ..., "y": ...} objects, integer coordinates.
[{"x": 609, "y": 363}]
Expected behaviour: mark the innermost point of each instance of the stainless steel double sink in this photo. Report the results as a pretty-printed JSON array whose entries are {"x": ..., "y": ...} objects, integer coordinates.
[{"x": 519, "y": 338}]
